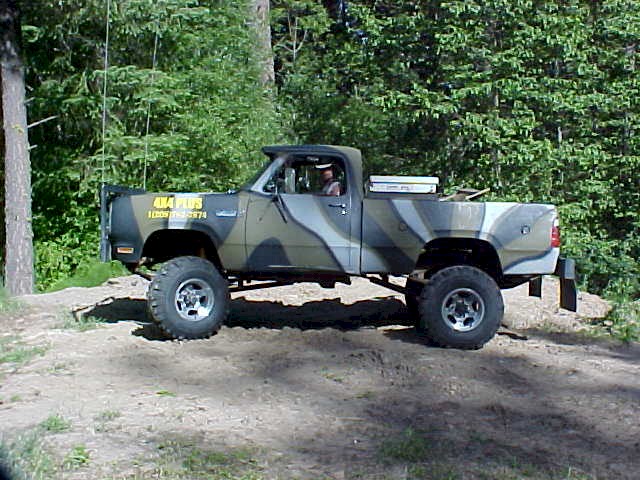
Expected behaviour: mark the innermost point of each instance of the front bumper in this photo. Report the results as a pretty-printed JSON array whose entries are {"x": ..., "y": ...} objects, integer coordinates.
[{"x": 566, "y": 271}]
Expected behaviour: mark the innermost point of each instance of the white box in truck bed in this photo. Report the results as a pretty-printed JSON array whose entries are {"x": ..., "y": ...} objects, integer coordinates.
[{"x": 401, "y": 184}]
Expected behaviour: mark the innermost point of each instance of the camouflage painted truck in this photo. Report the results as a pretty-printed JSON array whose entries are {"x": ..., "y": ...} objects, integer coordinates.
[{"x": 286, "y": 226}]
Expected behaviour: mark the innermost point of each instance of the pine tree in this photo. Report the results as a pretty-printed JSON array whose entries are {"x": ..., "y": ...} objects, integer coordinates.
[{"x": 19, "y": 237}]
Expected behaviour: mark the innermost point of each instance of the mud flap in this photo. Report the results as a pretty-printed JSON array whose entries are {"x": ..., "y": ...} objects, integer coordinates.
[
  {"x": 535, "y": 287},
  {"x": 566, "y": 270}
]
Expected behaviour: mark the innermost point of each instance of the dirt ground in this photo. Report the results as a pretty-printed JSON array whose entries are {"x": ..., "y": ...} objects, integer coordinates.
[{"x": 305, "y": 382}]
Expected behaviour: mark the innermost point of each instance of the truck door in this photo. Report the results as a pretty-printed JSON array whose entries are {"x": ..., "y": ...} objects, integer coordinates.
[{"x": 294, "y": 224}]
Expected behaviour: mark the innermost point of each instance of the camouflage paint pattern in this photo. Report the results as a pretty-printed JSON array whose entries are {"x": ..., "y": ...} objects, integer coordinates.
[{"x": 259, "y": 232}]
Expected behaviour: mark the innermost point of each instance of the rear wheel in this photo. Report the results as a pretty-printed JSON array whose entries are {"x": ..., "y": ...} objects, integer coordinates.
[
  {"x": 189, "y": 298},
  {"x": 460, "y": 307}
]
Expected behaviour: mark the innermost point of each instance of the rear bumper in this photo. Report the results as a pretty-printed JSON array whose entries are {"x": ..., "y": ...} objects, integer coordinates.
[{"x": 566, "y": 272}]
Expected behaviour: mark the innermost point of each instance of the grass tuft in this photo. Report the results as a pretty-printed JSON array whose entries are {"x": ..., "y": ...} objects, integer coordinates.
[
  {"x": 26, "y": 458},
  {"x": 182, "y": 459},
  {"x": 15, "y": 352},
  {"x": 76, "y": 458},
  {"x": 107, "y": 416},
  {"x": 8, "y": 304},
  {"x": 408, "y": 447},
  {"x": 55, "y": 424},
  {"x": 82, "y": 324},
  {"x": 623, "y": 321},
  {"x": 165, "y": 393}
]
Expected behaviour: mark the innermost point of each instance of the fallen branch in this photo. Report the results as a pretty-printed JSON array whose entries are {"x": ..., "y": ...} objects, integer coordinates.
[{"x": 34, "y": 124}]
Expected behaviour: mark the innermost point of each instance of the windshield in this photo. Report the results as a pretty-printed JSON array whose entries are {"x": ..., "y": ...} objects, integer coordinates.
[{"x": 249, "y": 183}]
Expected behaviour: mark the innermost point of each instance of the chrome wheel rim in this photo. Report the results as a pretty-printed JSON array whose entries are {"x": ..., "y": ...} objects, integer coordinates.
[
  {"x": 463, "y": 309},
  {"x": 194, "y": 300}
]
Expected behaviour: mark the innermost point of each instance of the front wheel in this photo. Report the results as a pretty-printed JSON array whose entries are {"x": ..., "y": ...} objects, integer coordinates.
[
  {"x": 189, "y": 298},
  {"x": 460, "y": 307}
]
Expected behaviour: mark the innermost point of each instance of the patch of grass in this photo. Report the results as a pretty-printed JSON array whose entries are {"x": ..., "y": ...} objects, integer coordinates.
[
  {"x": 55, "y": 424},
  {"x": 107, "y": 415},
  {"x": 515, "y": 470},
  {"x": 183, "y": 459},
  {"x": 165, "y": 393},
  {"x": 433, "y": 471},
  {"x": 623, "y": 321},
  {"x": 15, "y": 352},
  {"x": 59, "y": 368},
  {"x": 408, "y": 447},
  {"x": 76, "y": 458},
  {"x": 103, "y": 419},
  {"x": 82, "y": 324},
  {"x": 331, "y": 376},
  {"x": 367, "y": 394},
  {"x": 8, "y": 304},
  {"x": 25, "y": 458},
  {"x": 574, "y": 474},
  {"x": 91, "y": 274}
]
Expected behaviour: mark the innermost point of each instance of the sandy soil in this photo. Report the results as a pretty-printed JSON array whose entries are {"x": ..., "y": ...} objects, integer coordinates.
[{"x": 320, "y": 383}]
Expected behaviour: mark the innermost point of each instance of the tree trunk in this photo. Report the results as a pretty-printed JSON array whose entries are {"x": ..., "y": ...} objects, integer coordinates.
[
  {"x": 2, "y": 224},
  {"x": 19, "y": 235},
  {"x": 260, "y": 12}
]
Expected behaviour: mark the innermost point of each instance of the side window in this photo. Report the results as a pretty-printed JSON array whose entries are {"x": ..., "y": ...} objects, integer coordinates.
[{"x": 309, "y": 176}]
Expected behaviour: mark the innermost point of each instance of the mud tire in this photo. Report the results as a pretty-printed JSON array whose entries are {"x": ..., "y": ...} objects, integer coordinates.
[
  {"x": 175, "y": 279},
  {"x": 454, "y": 286}
]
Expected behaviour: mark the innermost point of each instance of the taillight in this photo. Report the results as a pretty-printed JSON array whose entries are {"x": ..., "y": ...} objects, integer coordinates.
[{"x": 555, "y": 234}]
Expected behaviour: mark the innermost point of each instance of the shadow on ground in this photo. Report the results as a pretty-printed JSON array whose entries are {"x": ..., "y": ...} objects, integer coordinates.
[
  {"x": 392, "y": 406},
  {"x": 250, "y": 314}
]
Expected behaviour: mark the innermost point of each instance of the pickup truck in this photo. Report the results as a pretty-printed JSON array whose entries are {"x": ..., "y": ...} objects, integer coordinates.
[{"x": 309, "y": 216}]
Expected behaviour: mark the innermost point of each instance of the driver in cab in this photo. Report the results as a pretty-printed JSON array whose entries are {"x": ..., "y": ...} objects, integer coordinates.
[{"x": 330, "y": 186}]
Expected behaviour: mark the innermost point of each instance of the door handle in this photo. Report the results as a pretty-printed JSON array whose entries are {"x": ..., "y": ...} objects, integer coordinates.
[{"x": 338, "y": 205}]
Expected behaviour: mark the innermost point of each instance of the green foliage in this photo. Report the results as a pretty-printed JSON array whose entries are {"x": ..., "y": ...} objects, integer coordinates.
[
  {"x": 7, "y": 304},
  {"x": 183, "y": 459},
  {"x": 108, "y": 415},
  {"x": 13, "y": 351},
  {"x": 207, "y": 114},
  {"x": 76, "y": 458},
  {"x": 58, "y": 258},
  {"x": 623, "y": 321},
  {"x": 82, "y": 323},
  {"x": 91, "y": 274},
  {"x": 55, "y": 424},
  {"x": 408, "y": 447},
  {"x": 165, "y": 393},
  {"x": 26, "y": 458}
]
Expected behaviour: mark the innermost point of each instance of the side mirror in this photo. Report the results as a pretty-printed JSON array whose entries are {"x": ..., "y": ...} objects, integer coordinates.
[{"x": 271, "y": 186}]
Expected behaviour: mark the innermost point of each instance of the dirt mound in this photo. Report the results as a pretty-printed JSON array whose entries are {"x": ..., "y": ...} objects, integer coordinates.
[{"x": 305, "y": 382}]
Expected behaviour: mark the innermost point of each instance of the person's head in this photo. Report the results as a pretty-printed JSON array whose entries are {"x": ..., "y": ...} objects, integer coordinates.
[{"x": 326, "y": 171}]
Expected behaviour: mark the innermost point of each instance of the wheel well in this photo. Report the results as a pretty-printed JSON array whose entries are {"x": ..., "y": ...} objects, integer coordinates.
[
  {"x": 164, "y": 245},
  {"x": 444, "y": 252}
]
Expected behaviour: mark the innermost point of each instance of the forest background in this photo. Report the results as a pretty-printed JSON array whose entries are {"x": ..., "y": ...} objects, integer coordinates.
[{"x": 538, "y": 100}]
